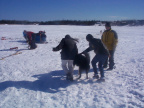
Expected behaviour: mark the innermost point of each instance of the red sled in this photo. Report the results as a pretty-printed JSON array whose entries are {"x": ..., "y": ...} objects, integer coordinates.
[{"x": 3, "y": 38}]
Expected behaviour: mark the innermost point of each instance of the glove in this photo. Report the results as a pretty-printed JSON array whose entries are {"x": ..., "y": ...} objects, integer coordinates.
[{"x": 54, "y": 49}]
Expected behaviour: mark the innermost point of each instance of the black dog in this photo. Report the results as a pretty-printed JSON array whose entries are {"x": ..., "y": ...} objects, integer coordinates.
[{"x": 83, "y": 62}]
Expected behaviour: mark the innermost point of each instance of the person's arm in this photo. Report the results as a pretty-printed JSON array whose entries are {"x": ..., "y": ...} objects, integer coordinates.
[
  {"x": 59, "y": 47},
  {"x": 90, "y": 48}
]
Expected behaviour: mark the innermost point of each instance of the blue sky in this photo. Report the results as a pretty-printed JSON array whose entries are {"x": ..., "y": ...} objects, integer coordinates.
[{"x": 49, "y": 10}]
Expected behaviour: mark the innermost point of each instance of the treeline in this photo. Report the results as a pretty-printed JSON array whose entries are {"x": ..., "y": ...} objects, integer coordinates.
[
  {"x": 69, "y": 22},
  {"x": 128, "y": 22},
  {"x": 75, "y": 22},
  {"x": 58, "y": 22},
  {"x": 17, "y": 22}
]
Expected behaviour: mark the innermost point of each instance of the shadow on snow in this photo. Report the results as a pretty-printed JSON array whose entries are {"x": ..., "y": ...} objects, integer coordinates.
[{"x": 51, "y": 82}]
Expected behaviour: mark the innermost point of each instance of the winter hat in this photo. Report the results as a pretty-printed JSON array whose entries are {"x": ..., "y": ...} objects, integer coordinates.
[
  {"x": 89, "y": 37},
  {"x": 67, "y": 36},
  {"x": 107, "y": 24}
]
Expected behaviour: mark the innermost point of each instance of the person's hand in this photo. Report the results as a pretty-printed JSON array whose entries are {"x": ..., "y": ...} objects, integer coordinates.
[{"x": 54, "y": 49}]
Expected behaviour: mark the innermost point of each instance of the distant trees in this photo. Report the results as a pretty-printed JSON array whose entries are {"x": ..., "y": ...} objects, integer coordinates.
[
  {"x": 16, "y": 22},
  {"x": 128, "y": 22},
  {"x": 75, "y": 22},
  {"x": 68, "y": 22}
]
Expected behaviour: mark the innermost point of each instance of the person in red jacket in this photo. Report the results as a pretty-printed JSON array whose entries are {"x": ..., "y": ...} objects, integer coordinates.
[{"x": 30, "y": 36}]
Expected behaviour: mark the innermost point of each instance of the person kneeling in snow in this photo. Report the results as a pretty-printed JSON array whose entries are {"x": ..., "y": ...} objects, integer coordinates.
[
  {"x": 100, "y": 57},
  {"x": 68, "y": 49}
]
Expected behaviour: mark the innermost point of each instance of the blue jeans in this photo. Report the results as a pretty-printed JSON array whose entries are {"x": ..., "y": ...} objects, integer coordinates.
[{"x": 100, "y": 59}]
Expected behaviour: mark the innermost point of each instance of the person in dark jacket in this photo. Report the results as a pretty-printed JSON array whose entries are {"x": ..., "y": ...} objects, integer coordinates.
[
  {"x": 68, "y": 49},
  {"x": 110, "y": 40},
  {"x": 100, "y": 57}
]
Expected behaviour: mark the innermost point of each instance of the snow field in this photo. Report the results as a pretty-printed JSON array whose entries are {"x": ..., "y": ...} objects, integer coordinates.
[{"x": 35, "y": 79}]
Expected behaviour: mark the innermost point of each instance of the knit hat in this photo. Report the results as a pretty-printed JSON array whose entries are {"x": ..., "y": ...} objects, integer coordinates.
[
  {"x": 89, "y": 37},
  {"x": 107, "y": 24},
  {"x": 67, "y": 36}
]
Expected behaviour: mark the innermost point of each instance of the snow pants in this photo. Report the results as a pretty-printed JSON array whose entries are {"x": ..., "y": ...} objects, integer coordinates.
[
  {"x": 100, "y": 59},
  {"x": 67, "y": 66}
]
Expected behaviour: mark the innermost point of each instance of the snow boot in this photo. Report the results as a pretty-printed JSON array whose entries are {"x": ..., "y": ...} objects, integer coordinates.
[
  {"x": 111, "y": 68},
  {"x": 96, "y": 76},
  {"x": 69, "y": 77},
  {"x": 102, "y": 79},
  {"x": 104, "y": 66}
]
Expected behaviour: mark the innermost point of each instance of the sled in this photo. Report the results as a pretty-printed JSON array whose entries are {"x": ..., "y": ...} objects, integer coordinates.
[
  {"x": 13, "y": 48},
  {"x": 3, "y": 38},
  {"x": 39, "y": 37}
]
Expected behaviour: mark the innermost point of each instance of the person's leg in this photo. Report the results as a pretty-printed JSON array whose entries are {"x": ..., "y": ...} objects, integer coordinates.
[
  {"x": 111, "y": 59},
  {"x": 70, "y": 67},
  {"x": 93, "y": 62},
  {"x": 105, "y": 63},
  {"x": 64, "y": 66},
  {"x": 100, "y": 65}
]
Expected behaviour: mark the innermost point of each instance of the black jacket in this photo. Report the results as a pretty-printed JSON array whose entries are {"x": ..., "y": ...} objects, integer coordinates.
[
  {"x": 68, "y": 48},
  {"x": 97, "y": 46}
]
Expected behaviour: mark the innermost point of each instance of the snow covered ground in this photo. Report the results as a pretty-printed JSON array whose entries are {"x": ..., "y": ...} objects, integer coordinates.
[{"x": 34, "y": 79}]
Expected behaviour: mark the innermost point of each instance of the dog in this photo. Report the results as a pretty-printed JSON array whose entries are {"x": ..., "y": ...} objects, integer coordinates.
[{"x": 83, "y": 62}]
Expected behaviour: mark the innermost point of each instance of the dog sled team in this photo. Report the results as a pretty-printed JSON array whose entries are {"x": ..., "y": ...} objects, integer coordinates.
[{"x": 104, "y": 49}]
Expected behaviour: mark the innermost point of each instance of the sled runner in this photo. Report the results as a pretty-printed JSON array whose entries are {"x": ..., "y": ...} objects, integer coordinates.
[{"x": 13, "y": 48}]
